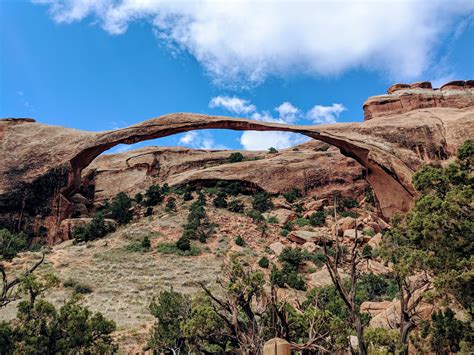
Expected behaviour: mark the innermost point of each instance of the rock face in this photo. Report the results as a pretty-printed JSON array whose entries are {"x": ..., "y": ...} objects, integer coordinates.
[
  {"x": 404, "y": 98},
  {"x": 311, "y": 167},
  {"x": 41, "y": 167}
]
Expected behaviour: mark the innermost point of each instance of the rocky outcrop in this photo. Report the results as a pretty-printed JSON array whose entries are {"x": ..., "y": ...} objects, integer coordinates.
[
  {"x": 41, "y": 166},
  {"x": 402, "y": 98},
  {"x": 311, "y": 167}
]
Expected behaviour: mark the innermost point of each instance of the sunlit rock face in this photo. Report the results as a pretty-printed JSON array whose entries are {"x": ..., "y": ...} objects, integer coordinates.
[{"x": 43, "y": 167}]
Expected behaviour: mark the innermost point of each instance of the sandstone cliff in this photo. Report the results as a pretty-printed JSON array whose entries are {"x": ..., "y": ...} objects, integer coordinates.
[{"x": 41, "y": 167}]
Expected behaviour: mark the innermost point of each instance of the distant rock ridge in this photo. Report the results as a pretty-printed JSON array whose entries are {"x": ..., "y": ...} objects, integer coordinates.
[{"x": 401, "y": 98}]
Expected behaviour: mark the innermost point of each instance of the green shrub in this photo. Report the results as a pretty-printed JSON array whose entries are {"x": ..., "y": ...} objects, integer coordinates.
[
  {"x": 262, "y": 202},
  {"x": 235, "y": 206},
  {"x": 236, "y": 157},
  {"x": 369, "y": 196},
  {"x": 256, "y": 216},
  {"x": 149, "y": 212},
  {"x": 94, "y": 230},
  {"x": 183, "y": 244},
  {"x": 138, "y": 198},
  {"x": 272, "y": 150},
  {"x": 351, "y": 214},
  {"x": 153, "y": 196},
  {"x": 294, "y": 257},
  {"x": 146, "y": 244},
  {"x": 317, "y": 258},
  {"x": 301, "y": 222},
  {"x": 171, "y": 204},
  {"x": 382, "y": 341},
  {"x": 202, "y": 238},
  {"x": 11, "y": 244},
  {"x": 120, "y": 208},
  {"x": 367, "y": 251},
  {"x": 187, "y": 196},
  {"x": 272, "y": 220},
  {"x": 292, "y": 195},
  {"x": 344, "y": 204},
  {"x": 264, "y": 262},
  {"x": 317, "y": 219},
  {"x": 239, "y": 241},
  {"x": 77, "y": 287},
  {"x": 171, "y": 248},
  {"x": 220, "y": 200},
  {"x": 369, "y": 232}
]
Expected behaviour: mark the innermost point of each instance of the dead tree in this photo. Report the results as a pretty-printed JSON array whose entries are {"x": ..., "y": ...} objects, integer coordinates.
[
  {"x": 7, "y": 295},
  {"x": 348, "y": 295}
]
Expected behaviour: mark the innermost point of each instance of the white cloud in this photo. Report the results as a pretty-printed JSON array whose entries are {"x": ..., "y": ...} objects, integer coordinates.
[
  {"x": 288, "y": 113},
  {"x": 253, "y": 140},
  {"x": 233, "y": 104},
  {"x": 200, "y": 140},
  {"x": 325, "y": 114},
  {"x": 246, "y": 41}
]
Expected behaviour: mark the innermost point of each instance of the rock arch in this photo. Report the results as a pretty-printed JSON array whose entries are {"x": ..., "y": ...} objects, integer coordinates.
[{"x": 385, "y": 172}]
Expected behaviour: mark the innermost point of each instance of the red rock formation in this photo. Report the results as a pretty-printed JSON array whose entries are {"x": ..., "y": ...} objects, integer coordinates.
[
  {"x": 403, "y": 98},
  {"x": 41, "y": 165}
]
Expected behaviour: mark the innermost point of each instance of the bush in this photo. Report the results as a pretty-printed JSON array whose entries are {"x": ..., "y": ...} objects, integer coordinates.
[
  {"x": 293, "y": 257},
  {"x": 256, "y": 216},
  {"x": 120, "y": 208},
  {"x": 264, "y": 262},
  {"x": 220, "y": 200},
  {"x": 369, "y": 232},
  {"x": 351, "y": 214},
  {"x": 272, "y": 150},
  {"x": 346, "y": 203},
  {"x": 146, "y": 244},
  {"x": 171, "y": 248},
  {"x": 301, "y": 222},
  {"x": 293, "y": 195},
  {"x": 153, "y": 196},
  {"x": 272, "y": 220},
  {"x": 262, "y": 202},
  {"x": 317, "y": 258},
  {"x": 94, "y": 230},
  {"x": 148, "y": 212},
  {"x": 235, "y": 206},
  {"x": 171, "y": 204},
  {"x": 138, "y": 198},
  {"x": 317, "y": 219},
  {"x": 370, "y": 196},
  {"x": 187, "y": 196},
  {"x": 11, "y": 244},
  {"x": 77, "y": 286},
  {"x": 236, "y": 157},
  {"x": 183, "y": 244},
  {"x": 239, "y": 241}
]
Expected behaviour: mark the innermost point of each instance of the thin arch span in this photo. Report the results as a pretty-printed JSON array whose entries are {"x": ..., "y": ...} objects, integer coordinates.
[{"x": 381, "y": 176}]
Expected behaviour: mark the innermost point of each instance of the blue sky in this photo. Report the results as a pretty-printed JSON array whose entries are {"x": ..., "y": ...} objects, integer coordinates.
[{"x": 110, "y": 63}]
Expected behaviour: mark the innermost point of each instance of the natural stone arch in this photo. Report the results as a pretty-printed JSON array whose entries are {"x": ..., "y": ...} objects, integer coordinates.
[{"x": 381, "y": 177}]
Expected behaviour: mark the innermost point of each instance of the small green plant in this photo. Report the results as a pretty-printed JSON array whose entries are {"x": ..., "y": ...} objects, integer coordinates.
[
  {"x": 77, "y": 287},
  {"x": 94, "y": 230},
  {"x": 236, "y": 157},
  {"x": 153, "y": 196},
  {"x": 272, "y": 220},
  {"x": 138, "y": 198},
  {"x": 170, "y": 204},
  {"x": 264, "y": 262},
  {"x": 292, "y": 195},
  {"x": 187, "y": 196},
  {"x": 148, "y": 212},
  {"x": 351, "y": 214},
  {"x": 262, "y": 202},
  {"x": 369, "y": 196},
  {"x": 183, "y": 244},
  {"x": 369, "y": 232},
  {"x": 171, "y": 248},
  {"x": 239, "y": 241},
  {"x": 256, "y": 216},
  {"x": 146, "y": 244},
  {"x": 235, "y": 206},
  {"x": 317, "y": 219},
  {"x": 11, "y": 244},
  {"x": 220, "y": 200},
  {"x": 301, "y": 222},
  {"x": 272, "y": 150}
]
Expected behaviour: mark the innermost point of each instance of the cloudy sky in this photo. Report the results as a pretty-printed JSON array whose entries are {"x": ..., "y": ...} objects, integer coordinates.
[{"x": 104, "y": 64}]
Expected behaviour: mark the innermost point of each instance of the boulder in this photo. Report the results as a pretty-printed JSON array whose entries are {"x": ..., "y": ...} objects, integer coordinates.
[
  {"x": 375, "y": 241},
  {"x": 374, "y": 308},
  {"x": 277, "y": 247},
  {"x": 283, "y": 215},
  {"x": 301, "y": 237},
  {"x": 78, "y": 198},
  {"x": 374, "y": 267},
  {"x": 317, "y": 205},
  {"x": 345, "y": 223}
]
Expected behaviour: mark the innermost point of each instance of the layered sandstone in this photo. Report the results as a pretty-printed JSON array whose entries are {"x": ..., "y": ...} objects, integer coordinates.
[{"x": 41, "y": 166}]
